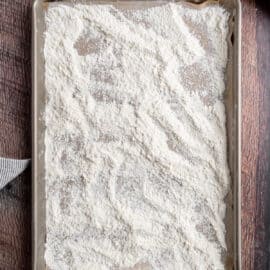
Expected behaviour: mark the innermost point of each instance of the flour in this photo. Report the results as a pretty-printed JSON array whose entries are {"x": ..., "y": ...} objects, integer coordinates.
[{"x": 136, "y": 166}]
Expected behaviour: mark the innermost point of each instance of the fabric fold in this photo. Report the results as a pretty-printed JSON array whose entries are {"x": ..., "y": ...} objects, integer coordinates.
[{"x": 10, "y": 169}]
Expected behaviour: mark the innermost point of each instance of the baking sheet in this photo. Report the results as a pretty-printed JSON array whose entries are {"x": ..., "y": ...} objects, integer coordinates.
[{"x": 232, "y": 99}]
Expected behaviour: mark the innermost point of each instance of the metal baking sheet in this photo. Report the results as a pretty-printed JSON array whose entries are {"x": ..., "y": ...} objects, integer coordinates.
[{"x": 232, "y": 99}]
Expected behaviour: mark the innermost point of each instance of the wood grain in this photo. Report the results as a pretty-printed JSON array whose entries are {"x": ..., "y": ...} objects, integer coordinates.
[
  {"x": 15, "y": 130},
  {"x": 250, "y": 130},
  {"x": 15, "y": 92},
  {"x": 262, "y": 229},
  {"x": 255, "y": 135}
]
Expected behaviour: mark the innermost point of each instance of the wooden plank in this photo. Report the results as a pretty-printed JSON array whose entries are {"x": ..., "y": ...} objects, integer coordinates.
[
  {"x": 262, "y": 229},
  {"x": 15, "y": 224},
  {"x": 250, "y": 128},
  {"x": 15, "y": 130}
]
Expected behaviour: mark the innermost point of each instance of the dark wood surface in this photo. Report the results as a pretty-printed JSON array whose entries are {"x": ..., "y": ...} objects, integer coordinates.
[
  {"x": 256, "y": 135},
  {"x": 15, "y": 130},
  {"x": 15, "y": 125}
]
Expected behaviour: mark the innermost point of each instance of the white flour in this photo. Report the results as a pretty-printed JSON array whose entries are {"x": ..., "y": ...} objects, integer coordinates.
[{"x": 136, "y": 166}]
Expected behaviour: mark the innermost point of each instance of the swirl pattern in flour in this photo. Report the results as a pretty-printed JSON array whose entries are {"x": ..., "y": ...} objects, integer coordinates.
[{"x": 136, "y": 165}]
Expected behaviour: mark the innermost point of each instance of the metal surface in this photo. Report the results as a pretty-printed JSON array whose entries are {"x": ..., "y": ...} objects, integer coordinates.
[{"x": 232, "y": 100}]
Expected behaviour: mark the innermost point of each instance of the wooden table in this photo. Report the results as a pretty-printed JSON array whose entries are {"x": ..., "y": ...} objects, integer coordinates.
[
  {"x": 256, "y": 135},
  {"x": 15, "y": 93}
]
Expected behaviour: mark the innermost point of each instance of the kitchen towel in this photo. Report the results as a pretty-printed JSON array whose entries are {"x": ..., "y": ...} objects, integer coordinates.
[{"x": 10, "y": 169}]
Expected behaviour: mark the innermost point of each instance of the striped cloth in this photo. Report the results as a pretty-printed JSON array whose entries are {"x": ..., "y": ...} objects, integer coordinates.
[{"x": 10, "y": 169}]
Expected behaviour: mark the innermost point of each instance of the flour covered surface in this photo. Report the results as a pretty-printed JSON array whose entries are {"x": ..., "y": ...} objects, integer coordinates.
[{"x": 135, "y": 138}]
